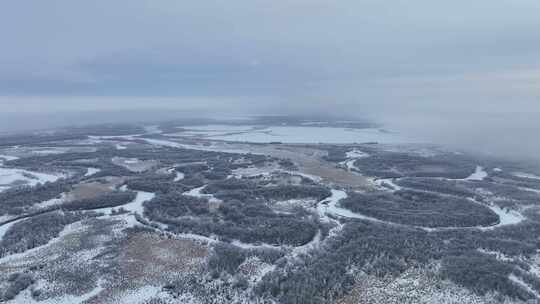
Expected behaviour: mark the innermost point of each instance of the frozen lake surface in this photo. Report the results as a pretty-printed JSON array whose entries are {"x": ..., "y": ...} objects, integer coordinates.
[{"x": 297, "y": 134}]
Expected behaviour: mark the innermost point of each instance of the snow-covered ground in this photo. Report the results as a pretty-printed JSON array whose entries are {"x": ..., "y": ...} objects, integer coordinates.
[
  {"x": 349, "y": 164},
  {"x": 7, "y": 157},
  {"x": 52, "y": 202},
  {"x": 153, "y": 129},
  {"x": 26, "y": 298},
  {"x": 308, "y": 134},
  {"x": 253, "y": 171},
  {"x": 136, "y": 206},
  {"x": 50, "y": 151},
  {"x": 120, "y": 147},
  {"x": 142, "y": 295},
  {"x": 352, "y": 156},
  {"x": 355, "y": 153},
  {"x": 15, "y": 259},
  {"x": 386, "y": 181},
  {"x": 4, "y": 228},
  {"x": 91, "y": 171},
  {"x": 213, "y": 148},
  {"x": 8, "y": 176},
  {"x": 478, "y": 175},
  {"x": 219, "y": 128},
  {"x": 179, "y": 176},
  {"x": 526, "y": 175},
  {"x": 506, "y": 217}
]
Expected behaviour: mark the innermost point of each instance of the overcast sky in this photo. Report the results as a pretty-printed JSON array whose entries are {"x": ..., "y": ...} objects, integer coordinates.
[{"x": 388, "y": 59}]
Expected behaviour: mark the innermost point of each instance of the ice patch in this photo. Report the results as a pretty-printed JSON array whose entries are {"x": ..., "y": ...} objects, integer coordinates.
[
  {"x": 136, "y": 206},
  {"x": 506, "y": 217},
  {"x": 213, "y": 148},
  {"x": 314, "y": 135},
  {"x": 220, "y": 128}
]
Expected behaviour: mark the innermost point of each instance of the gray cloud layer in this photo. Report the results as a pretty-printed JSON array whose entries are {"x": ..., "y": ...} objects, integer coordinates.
[{"x": 409, "y": 63}]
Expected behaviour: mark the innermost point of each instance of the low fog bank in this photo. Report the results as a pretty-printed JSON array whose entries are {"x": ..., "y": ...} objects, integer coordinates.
[
  {"x": 497, "y": 131},
  {"x": 510, "y": 135},
  {"x": 23, "y": 122}
]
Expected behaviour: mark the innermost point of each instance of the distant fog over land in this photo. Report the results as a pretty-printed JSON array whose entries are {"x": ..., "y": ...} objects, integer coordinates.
[
  {"x": 459, "y": 73},
  {"x": 500, "y": 131}
]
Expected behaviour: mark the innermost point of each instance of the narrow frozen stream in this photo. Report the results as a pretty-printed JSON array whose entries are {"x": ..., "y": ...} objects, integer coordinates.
[{"x": 330, "y": 206}]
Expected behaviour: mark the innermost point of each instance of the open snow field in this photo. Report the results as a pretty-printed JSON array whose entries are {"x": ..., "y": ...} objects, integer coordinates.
[{"x": 10, "y": 177}]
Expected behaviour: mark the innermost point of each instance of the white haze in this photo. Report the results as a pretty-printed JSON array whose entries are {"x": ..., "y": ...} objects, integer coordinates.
[{"x": 461, "y": 73}]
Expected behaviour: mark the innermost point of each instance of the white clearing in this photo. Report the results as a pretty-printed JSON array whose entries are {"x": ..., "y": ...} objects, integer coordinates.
[
  {"x": 197, "y": 193},
  {"x": 26, "y": 297},
  {"x": 355, "y": 153},
  {"x": 8, "y": 176},
  {"x": 135, "y": 206},
  {"x": 387, "y": 182},
  {"x": 478, "y": 175},
  {"x": 91, "y": 171},
  {"x": 8, "y": 157},
  {"x": 141, "y": 295}
]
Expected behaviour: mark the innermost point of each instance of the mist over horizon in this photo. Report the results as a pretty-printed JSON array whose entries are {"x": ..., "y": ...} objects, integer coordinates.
[
  {"x": 461, "y": 74},
  {"x": 507, "y": 134}
]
